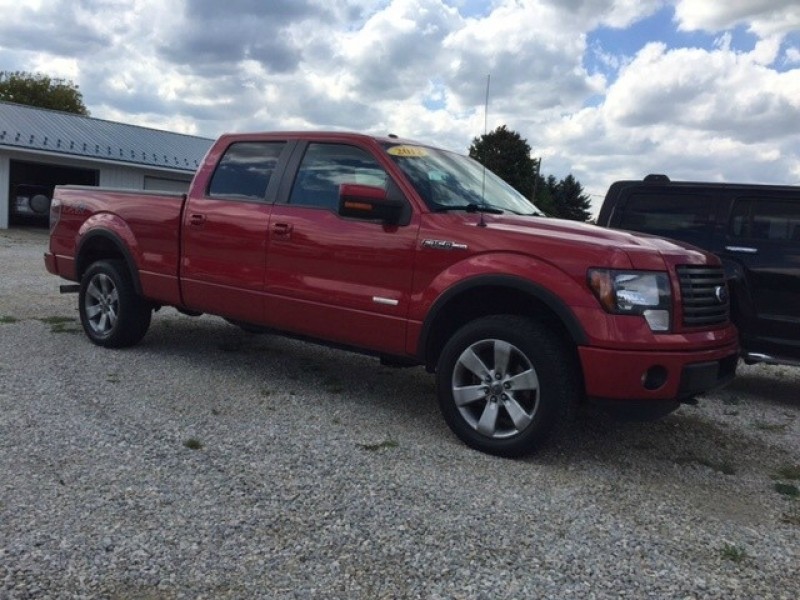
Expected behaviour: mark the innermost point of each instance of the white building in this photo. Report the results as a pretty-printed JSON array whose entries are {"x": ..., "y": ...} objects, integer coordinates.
[{"x": 40, "y": 149}]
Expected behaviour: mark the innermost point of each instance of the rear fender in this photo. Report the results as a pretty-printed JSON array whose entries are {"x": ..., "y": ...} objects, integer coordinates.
[{"x": 106, "y": 236}]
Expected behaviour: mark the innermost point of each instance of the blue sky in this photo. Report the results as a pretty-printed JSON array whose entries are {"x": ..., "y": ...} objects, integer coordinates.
[{"x": 602, "y": 89}]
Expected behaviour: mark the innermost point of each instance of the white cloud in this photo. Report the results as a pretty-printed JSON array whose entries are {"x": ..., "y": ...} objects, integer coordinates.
[
  {"x": 762, "y": 17},
  {"x": 418, "y": 68}
]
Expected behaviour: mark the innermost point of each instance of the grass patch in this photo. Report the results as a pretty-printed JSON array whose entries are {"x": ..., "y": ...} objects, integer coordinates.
[
  {"x": 384, "y": 445},
  {"x": 787, "y": 489},
  {"x": 764, "y": 426},
  {"x": 732, "y": 553},
  {"x": 113, "y": 378},
  {"x": 790, "y": 472},
  {"x": 732, "y": 400},
  {"x": 791, "y": 518},
  {"x": 193, "y": 444},
  {"x": 723, "y": 466},
  {"x": 7, "y": 319},
  {"x": 60, "y": 324}
]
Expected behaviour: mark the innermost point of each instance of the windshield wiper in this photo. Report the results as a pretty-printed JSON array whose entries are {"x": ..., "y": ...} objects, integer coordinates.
[{"x": 471, "y": 208}]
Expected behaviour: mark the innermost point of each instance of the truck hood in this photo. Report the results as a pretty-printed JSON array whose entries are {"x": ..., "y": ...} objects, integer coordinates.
[{"x": 636, "y": 245}]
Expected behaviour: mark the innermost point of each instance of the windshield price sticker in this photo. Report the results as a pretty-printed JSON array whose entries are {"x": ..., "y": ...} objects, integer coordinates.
[{"x": 408, "y": 151}]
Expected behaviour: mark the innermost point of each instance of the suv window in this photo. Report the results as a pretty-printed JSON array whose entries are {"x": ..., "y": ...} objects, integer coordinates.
[
  {"x": 688, "y": 217},
  {"x": 326, "y": 166},
  {"x": 244, "y": 171},
  {"x": 771, "y": 220}
]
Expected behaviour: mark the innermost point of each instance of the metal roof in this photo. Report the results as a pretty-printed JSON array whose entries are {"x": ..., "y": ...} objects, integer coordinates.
[{"x": 29, "y": 128}]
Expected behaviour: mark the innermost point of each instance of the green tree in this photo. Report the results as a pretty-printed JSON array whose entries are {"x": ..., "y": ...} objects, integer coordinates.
[
  {"x": 42, "y": 91},
  {"x": 568, "y": 199},
  {"x": 507, "y": 154}
]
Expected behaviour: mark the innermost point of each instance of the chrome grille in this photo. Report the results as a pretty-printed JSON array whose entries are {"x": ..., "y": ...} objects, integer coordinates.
[{"x": 705, "y": 296}]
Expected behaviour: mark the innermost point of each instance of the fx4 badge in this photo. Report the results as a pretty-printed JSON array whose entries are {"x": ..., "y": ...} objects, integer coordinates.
[{"x": 443, "y": 245}]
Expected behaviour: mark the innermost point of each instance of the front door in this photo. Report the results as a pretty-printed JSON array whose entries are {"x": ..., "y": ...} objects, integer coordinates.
[{"x": 344, "y": 280}]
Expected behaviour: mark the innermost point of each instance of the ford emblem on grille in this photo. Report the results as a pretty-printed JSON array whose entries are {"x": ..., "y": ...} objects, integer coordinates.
[{"x": 721, "y": 294}]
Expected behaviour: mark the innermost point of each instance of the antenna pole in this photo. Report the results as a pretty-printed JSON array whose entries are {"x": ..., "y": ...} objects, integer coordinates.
[{"x": 482, "y": 222}]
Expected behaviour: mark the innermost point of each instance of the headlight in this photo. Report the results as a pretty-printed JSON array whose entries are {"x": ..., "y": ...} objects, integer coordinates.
[{"x": 645, "y": 293}]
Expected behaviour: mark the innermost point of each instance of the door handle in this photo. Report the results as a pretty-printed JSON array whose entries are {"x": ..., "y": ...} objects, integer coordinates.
[
  {"x": 282, "y": 230},
  {"x": 197, "y": 220},
  {"x": 742, "y": 249}
]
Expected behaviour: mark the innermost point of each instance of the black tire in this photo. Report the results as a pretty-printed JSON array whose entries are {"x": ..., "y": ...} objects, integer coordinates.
[
  {"x": 528, "y": 388},
  {"x": 113, "y": 315}
]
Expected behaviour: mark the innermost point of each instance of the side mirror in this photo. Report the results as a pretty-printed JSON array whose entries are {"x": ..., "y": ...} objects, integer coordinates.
[{"x": 369, "y": 203}]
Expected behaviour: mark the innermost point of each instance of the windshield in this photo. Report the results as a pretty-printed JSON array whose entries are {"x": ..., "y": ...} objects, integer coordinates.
[{"x": 450, "y": 181}]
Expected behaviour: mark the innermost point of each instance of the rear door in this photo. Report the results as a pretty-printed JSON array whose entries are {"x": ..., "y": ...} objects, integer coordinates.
[
  {"x": 764, "y": 238},
  {"x": 344, "y": 280},
  {"x": 224, "y": 232}
]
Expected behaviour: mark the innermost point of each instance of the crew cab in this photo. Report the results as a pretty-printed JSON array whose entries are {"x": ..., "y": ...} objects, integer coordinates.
[
  {"x": 413, "y": 254},
  {"x": 755, "y": 231}
]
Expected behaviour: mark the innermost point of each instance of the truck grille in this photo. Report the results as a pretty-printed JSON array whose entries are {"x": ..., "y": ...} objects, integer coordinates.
[{"x": 705, "y": 296}]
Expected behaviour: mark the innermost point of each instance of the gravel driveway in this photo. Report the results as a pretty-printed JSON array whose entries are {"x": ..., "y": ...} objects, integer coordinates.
[{"x": 211, "y": 463}]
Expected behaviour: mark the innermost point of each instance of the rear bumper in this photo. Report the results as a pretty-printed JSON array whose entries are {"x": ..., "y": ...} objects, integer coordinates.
[
  {"x": 50, "y": 263},
  {"x": 623, "y": 375}
]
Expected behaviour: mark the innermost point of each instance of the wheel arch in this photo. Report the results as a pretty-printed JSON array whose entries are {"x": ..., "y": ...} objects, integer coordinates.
[
  {"x": 487, "y": 295},
  {"x": 103, "y": 244}
]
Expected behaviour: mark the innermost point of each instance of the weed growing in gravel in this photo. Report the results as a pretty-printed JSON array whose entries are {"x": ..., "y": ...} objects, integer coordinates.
[
  {"x": 384, "y": 445},
  {"x": 787, "y": 489},
  {"x": 724, "y": 467},
  {"x": 193, "y": 444},
  {"x": 790, "y": 472},
  {"x": 733, "y": 553},
  {"x": 8, "y": 319},
  {"x": 60, "y": 324},
  {"x": 764, "y": 426},
  {"x": 113, "y": 378}
]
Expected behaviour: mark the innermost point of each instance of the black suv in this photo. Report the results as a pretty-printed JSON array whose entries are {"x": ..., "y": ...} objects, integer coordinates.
[{"x": 754, "y": 229}]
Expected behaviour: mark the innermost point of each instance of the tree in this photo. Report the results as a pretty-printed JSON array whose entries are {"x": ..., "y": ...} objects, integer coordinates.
[
  {"x": 567, "y": 200},
  {"x": 36, "y": 89},
  {"x": 506, "y": 154}
]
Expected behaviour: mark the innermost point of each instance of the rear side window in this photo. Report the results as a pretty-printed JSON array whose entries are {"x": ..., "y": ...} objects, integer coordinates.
[
  {"x": 245, "y": 170},
  {"x": 688, "y": 217},
  {"x": 769, "y": 220}
]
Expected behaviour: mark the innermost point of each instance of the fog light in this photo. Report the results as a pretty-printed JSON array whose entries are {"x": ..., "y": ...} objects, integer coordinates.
[{"x": 654, "y": 377}]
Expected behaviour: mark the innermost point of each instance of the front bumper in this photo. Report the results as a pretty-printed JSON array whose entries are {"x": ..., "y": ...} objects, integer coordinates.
[{"x": 626, "y": 375}]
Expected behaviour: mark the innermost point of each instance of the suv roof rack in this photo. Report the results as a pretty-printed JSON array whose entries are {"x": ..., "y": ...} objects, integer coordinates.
[{"x": 656, "y": 177}]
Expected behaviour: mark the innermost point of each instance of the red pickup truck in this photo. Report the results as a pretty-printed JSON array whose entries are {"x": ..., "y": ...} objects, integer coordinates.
[{"x": 416, "y": 255}]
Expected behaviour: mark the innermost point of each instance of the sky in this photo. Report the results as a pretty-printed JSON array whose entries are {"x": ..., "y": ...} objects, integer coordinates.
[{"x": 602, "y": 89}]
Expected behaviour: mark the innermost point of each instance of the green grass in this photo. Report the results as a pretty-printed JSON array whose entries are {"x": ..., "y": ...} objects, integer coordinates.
[
  {"x": 193, "y": 444},
  {"x": 7, "y": 319},
  {"x": 787, "y": 489},
  {"x": 732, "y": 553},
  {"x": 764, "y": 426},
  {"x": 60, "y": 324},
  {"x": 113, "y": 378},
  {"x": 384, "y": 445}
]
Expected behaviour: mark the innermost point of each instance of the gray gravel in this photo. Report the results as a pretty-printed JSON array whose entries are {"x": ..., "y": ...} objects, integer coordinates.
[{"x": 321, "y": 474}]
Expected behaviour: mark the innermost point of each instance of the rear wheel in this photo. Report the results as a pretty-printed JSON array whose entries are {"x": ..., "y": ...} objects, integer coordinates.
[
  {"x": 112, "y": 313},
  {"x": 506, "y": 383}
]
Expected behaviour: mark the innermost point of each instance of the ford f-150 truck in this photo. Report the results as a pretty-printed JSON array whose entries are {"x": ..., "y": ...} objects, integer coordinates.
[{"x": 416, "y": 255}]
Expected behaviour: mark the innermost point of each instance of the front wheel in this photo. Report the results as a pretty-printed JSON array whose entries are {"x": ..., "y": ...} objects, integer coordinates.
[
  {"x": 506, "y": 383},
  {"x": 112, "y": 313}
]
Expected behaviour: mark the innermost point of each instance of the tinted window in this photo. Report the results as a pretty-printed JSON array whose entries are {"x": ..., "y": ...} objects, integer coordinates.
[
  {"x": 245, "y": 169},
  {"x": 772, "y": 220},
  {"x": 326, "y": 166},
  {"x": 687, "y": 217}
]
